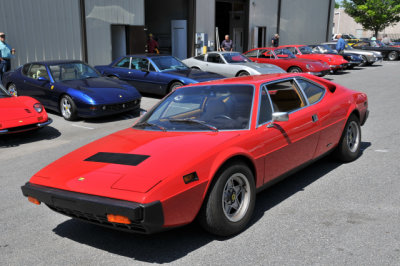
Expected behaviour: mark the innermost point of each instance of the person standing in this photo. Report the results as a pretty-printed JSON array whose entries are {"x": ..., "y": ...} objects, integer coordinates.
[
  {"x": 275, "y": 40},
  {"x": 227, "y": 44},
  {"x": 386, "y": 40},
  {"x": 6, "y": 53},
  {"x": 152, "y": 45},
  {"x": 341, "y": 44}
]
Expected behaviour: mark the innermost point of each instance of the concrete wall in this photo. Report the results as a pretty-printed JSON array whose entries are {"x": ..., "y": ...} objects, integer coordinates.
[
  {"x": 100, "y": 15},
  {"x": 41, "y": 30}
]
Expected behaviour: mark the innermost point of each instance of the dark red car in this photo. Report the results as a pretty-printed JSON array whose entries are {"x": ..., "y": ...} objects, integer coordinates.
[
  {"x": 203, "y": 152},
  {"x": 288, "y": 61},
  {"x": 335, "y": 62}
]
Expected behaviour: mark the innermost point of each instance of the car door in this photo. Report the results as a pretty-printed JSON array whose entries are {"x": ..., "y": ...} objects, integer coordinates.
[
  {"x": 216, "y": 64},
  {"x": 288, "y": 144},
  {"x": 37, "y": 83},
  {"x": 144, "y": 76}
]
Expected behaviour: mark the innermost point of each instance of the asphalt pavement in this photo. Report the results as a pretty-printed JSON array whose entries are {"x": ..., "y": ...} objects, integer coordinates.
[{"x": 327, "y": 214}]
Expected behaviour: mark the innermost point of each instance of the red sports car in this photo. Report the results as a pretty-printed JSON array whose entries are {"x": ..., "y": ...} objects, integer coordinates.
[
  {"x": 335, "y": 62},
  {"x": 287, "y": 61},
  {"x": 19, "y": 114},
  {"x": 203, "y": 152}
]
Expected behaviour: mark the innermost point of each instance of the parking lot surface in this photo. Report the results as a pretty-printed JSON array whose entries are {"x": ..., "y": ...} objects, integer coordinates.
[{"x": 327, "y": 214}]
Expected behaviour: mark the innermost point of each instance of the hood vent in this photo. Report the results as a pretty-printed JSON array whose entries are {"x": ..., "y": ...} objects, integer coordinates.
[
  {"x": 28, "y": 111},
  {"x": 117, "y": 158}
]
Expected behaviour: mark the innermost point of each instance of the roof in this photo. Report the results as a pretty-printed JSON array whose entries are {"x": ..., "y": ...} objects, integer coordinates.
[{"x": 54, "y": 62}]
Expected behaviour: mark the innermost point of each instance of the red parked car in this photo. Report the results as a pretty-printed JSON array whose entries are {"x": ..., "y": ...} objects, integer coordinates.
[
  {"x": 203, "y": 152},
  {"x": 335, "y": 62},
  {"x": 286, "y": 60},
  {"x": 19, "y": 114}
]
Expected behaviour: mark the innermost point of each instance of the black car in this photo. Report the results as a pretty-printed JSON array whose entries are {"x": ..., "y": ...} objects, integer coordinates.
[
  {"x": 353, "y": 59},
  {"x": 388, "y": 52}
]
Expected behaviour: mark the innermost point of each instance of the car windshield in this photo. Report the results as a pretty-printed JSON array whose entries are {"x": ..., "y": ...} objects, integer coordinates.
[
  {"x": 165, "y": 63},
  {"x": 235, "y": 58},
  {"x": 327, "y": 49},
  {"x": 284, "y": 53},
  {"x": 305, "y": 50},
  {"x": 72, "y": 71},
  {"x": 3, "y": 92},
  {"x": 352, "y": 36},
  {"x": 349, "y": 47},
  {"x": 202, "y": 108}
]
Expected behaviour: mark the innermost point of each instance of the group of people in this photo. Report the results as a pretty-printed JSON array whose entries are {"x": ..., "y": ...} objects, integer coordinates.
[
  {"x": 6, "y": 52},
  {"x": 227, "y": 44}
]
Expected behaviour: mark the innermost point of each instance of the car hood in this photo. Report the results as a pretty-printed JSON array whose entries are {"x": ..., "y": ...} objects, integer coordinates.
[
  {"x": 195, "y": 74},
  {"x": 262, "y": 68},
  {"x": 130, "y": 160},
  {"x": 104, "y": 90},
  {"x": 12, "y": 108}
]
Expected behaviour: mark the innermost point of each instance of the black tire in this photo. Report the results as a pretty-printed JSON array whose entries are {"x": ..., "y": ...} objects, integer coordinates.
[
  {"x": 243, "y": 74},
  {"x": 294, "y": 69},
  {"x": 393, "y": 55},
  {"x": 364, "y": 61},
  {"x": 349, "y": 147},
  {"x": 218, "y": 214},
  {"x": 12, "y": 89},
  {"x": 68, "y": 108},
  {"x": 174, "y": 85},
  {"x": 195, "y": 67}
]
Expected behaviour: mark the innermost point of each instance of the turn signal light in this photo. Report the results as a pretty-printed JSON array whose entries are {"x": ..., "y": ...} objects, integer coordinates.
[
  {"x": 33, "y": 200},
  {"x": 190, "y": 178},
  {"x": 112, "y": 218}
]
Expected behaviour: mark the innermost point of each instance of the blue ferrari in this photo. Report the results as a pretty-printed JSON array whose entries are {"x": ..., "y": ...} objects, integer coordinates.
[
  {"x": 72, "y": 88},
  {"x": 154, "y": 73}
]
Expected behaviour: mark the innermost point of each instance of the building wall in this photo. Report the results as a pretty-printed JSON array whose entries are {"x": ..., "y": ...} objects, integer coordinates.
[
  {"x": 205, "y": 18},
  {"x": 41, "y": 30},
  {"x": 304, "y": 21},
  {"x": 100, "y": 15}
]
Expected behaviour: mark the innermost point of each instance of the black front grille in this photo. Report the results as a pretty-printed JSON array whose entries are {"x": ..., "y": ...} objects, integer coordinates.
[
  {"x": 98, "y": 219},
  {"x": 121, "y": 106}
]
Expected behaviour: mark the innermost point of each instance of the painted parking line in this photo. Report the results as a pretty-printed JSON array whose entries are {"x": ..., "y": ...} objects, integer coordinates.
[{"x": 75, "y": 125}]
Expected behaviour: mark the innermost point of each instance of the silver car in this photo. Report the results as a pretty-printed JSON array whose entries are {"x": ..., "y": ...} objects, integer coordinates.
[
  {"x": 368, "y": 57},
  {"x": 230, "y": 64}
]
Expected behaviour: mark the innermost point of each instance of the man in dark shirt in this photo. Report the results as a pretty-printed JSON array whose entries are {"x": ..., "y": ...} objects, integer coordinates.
[
  {"x": 275, "y": 40},
  {"x": 227, "y": 45}
]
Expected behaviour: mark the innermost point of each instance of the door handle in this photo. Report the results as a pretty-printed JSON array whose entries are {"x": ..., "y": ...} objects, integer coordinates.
[{"x": 314, "y": 118}]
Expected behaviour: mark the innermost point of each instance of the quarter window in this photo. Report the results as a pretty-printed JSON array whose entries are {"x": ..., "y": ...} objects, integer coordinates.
[
  {"x": 265, "y": 111},
  {"x": 313, "y": 92},
  {"x": 285, "y": 96}
]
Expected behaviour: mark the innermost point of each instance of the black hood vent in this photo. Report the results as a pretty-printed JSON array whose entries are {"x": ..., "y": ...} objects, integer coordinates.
[{"x": 117, "y": 158}]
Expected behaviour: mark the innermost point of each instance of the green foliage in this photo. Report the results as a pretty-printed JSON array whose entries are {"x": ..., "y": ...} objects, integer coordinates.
[
  {"x": 337, "y": 5},
  {"x": 373, "y": 15}
]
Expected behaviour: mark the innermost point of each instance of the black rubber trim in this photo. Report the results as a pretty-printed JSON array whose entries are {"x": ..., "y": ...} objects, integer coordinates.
[
  {"x": 117, "y": 158},
  {"x": 146, "y": 218}
]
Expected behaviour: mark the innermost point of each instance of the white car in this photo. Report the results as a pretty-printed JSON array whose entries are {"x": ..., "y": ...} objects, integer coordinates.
[{"x": 230, "y": 64}]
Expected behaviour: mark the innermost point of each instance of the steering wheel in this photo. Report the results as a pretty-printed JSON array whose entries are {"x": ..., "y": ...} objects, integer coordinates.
[{"x": 223, "y": 116}]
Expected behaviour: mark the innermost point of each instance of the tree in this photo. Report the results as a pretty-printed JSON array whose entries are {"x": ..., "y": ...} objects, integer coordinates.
[
  {"x": 337, "y": 5},
  {"x": 374, "y": 15}
]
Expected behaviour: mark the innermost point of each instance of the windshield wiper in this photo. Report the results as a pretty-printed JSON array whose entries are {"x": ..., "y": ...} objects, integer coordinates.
[
  {"x": 194, "y": 121},
  {"x": 150, "y": 125}
]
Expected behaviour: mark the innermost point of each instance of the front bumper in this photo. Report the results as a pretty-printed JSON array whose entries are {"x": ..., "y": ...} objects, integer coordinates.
[
  {"x": 145, "y": 218},
  {"x": 320, "y": 74},
  {"x": 26, "y": 127},
  {"x": 91, "y": 111}
]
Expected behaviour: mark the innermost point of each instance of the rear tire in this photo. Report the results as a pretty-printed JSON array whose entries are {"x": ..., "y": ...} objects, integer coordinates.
[
  {"x": 12, "y": 89},
  {"x": 294, "y": 70},
  {"x": 113, "y": 77},
  {"x": 229, "y": 205},
  {"x": 68, "y": 108},
  {"x": 364, "y": 60},
  {"x": 350, "y": 143}
]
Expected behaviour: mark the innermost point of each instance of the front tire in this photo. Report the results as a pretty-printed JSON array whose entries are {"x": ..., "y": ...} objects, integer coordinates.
[
  {"x": 350, "y": 143},
  {"x": 174, "y": 86},
  {"x": 243, "y": 74},
  {"x": 12, "y": 89},
  {"x": 294, "y": 70},
  {"x": 230, "y": 203},
  {"x": 393, "y": 55},
  {"x": 68, "y": 108}
]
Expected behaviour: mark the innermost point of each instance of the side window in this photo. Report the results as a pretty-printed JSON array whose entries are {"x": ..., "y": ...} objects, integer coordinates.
[
  {"x": 253, "y": 54},
  {"x": 25, "y": 69},
  {"x": 36, "y": 71},
  {"x": 293, "y": 50},
  {"x": 200, "y": 57},
  {"x": 313, "y": 92},
  {"x": 214, "y": 58},
  {"x": 124, "y": 63},
  {"x": 285, "y": 96},
  {"x": 265, "y": 110}
]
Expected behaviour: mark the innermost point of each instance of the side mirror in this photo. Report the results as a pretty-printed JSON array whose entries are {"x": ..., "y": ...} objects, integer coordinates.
[
  {"x": 279, "y": 117},
  {"x": 42, "y": 79}
]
